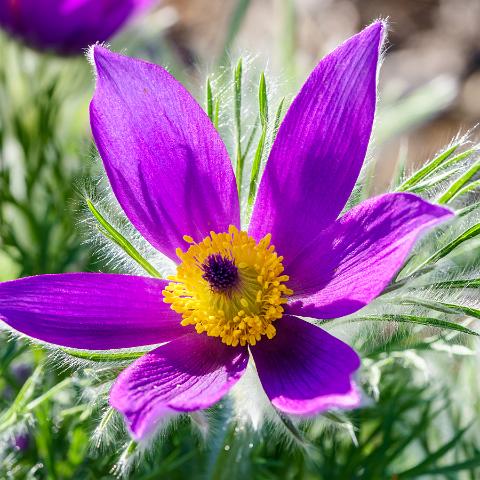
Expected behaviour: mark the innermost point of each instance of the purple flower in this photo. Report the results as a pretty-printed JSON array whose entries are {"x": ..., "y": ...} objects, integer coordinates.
[
  {"x": 66, "y": 26},
  {"x": 22, "y": 441},
  {"x": 232, "y": 293}
]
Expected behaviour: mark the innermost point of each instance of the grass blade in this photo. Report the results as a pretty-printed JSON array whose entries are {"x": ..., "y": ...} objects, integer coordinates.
[
  {"x": 237, "y": 100},
  {"x": 263, "y": 101},
  {"x": 263, "y": 109},
  {"x": 278, "y": 118},
  {"x": 426, "y": 321},
  {"x": 48, "y": 394},
  {"x": 432, "y": 182},
  {"x": 116, "y": 237},
  {"x": 102, "y": 356},
  {"x": 472, "y": 283},
  {"x": 466, "y": 189},
  {"x": 443, "y": 252},
  {"x": 443, "y": 307},
  {"x": 216, "y": 114},
  {"x": 459, "y": 183},
  {"x": 427, "y": 169},
  {"x": 458, "y": 158},
  {"x": 9, "y": 417},
  {"x": 456, "y": 467},
  {"x": 433, "y": 457},
  {"x": 209, "y": 100}
]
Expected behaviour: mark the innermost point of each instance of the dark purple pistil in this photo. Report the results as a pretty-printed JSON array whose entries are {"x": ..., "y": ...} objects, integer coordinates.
[{"x": 220, "y": 272}]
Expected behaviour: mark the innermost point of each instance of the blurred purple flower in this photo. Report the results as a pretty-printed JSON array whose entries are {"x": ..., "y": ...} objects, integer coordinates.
[
  {"x": 22, "y": 442},
  {"x": 66, "y": 26},
  {"x": 232, "y": 294}
]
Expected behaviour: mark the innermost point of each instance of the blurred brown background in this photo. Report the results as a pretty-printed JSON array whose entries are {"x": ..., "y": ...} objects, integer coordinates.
[{"x": 430, "y": 80}]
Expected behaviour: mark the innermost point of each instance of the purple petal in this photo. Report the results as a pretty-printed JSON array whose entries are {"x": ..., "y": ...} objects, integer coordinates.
[
  {"x": 166, "y": 163},
  {"x": 305, "y": 370},
  {"x": 352, "y": 262},
  {"x": 190, "y": 373},
  {"x": 320, "y": 147},
  {"x": 66, "y": 26},
  {"x": 95, "y": 311}
]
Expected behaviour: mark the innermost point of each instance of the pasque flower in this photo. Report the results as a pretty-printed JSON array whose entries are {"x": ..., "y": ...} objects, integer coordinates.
[
  {"x": 235, "y": 294},
  {"x": 66, "y": 26}
]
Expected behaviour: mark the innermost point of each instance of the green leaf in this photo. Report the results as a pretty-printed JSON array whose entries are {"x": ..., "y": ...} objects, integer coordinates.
[
  {"x": 106, "y": 418},
  {"x": 443, "y": 307},
  {"x": 210, "y": 112},
  {"x": 455, "y": 467},
  {"x": 116, "y": 237},
  {"x": 427, "y": 169},
  {"x": 458, "y": 158},
  {"x": 459, "y": 183},
  {"x": 263, "y": 100},
  {"x": 250, "y": 139},
  {"x": 256, "y": 169},
  {"x": 413, "y": 435},
  {"x": 430, "y": 182},
  {"x": 216, "y": 113},
  {"x": 472, "y": 232},
  {"x": 237, "y": 102},
  {"x": 433, "y": 457},
  {"x": 466, "y": 189},
  {"x": 278, "y": 118},
  {"x": 48, "y": 394},
  {"x": 9, "y": 417},
  {"x": 468, "y": 209},
  {"x": 263, "y": 109},
  {"x": 467, "y": 283},
  {"x": 291, "y": 428},
  {"x": 413, "y": 319},
  {"x": 103, "y": 356}
]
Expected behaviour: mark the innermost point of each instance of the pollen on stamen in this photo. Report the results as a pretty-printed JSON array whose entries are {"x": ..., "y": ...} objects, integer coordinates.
[{"x": 229, "y": 286}]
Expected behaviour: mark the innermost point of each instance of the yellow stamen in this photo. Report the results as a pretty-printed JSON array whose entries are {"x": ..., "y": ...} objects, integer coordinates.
[{"x": 242, "y": 313}]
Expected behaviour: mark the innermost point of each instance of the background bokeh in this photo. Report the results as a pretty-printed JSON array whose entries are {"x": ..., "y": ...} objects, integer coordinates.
[
  {"x": 433, "y": 49},
  {"x": 422, "y": 420}
]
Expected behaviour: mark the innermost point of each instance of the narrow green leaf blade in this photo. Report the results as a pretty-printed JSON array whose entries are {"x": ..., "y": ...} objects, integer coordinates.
[
  {"x": 209, "y": 100},
  {"x": 466, "y": 189},
  {"x": 443, "y": 307},
  {"x": 455, "y": 467},
  {"x": 48, "y": 394},
  {"x": 433, "y": 457},
  {"x": 103, "y": 356},
  {"x": 256, "y": 169},
  {"x": 114, "y": 235},
  {"x": 427, "y": 169},
  {"x": 9, "y": 416},
  {"x": 459, "y": 183},
  {"x": 263, "y": 100},
  {"x": 237, "y": 100},
  {"x": 257, "y": 160},
  {"x": 216, "y": 115},
  {"x": 466, "y": 283},
  {"x": 443, "y": 252},
  {"x": 413, "y": 319},
  {"x": 278, "y": 118}
]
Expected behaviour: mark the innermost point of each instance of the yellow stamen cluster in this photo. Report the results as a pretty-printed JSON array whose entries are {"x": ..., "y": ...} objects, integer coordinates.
[{"x": 243, "y": 313}]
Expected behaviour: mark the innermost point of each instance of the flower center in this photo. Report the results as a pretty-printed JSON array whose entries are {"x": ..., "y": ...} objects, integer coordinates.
[
  {"x": 229, "y": 286},
  {"x": 220, "y": 272}
]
